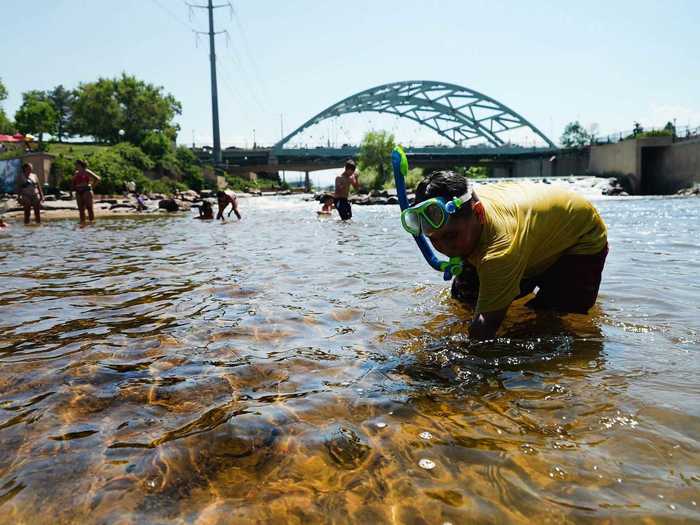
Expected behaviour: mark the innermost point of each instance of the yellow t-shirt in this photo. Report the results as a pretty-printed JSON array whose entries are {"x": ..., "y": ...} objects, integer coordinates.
[{"x": 528, "y": 227}]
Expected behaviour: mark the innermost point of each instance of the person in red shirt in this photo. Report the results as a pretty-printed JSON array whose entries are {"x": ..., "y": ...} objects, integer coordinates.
[{"x": 82, "y": 185}]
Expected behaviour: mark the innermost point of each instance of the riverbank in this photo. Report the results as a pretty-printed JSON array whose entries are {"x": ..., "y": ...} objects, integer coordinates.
[{"x": 123, "y": 206}]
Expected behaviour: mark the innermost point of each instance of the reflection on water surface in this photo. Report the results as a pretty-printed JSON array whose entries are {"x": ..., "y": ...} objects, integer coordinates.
[{"x": 290, "y": 369}]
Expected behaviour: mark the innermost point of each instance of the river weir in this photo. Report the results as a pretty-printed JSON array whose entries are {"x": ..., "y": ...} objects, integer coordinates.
[{"x": 294, "y": 369}]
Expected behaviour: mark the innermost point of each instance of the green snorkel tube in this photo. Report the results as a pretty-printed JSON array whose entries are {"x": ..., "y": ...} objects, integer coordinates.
[{"x": 449, "y": 269}]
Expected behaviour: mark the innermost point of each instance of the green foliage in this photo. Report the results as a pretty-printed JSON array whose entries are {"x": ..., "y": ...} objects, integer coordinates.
[
  {"x": 62, "y": 170},
  {"x": 135, "y": 156},
  {"x": 655, "y": 133},
  {"x": 191, "y": 172},
  {"x": 575, "y": 136},
  {"x": 414, "y": 176},
  {"x": 368, "y": 178},
  {"x": 36, "y": 115},
  {"x": 62, "y": 100},
  {"x": 7, "y": 127},
  {"x": 124, "y": 162},
  {"x": 156, "y": 145},
  {"x": 638, "y": 132},
  {"x": 375, "y": 155},
  {"x": 105, "y": 107},
  {"x": 238, "y": 183},
  {"x": 473, "y": 172},
  {"x": 96, "y": 111}
]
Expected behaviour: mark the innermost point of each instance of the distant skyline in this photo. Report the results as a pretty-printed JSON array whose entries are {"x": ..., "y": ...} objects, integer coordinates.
[{"x": 606, "y": 64}]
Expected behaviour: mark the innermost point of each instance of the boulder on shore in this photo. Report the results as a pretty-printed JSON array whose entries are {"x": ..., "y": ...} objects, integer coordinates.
[
  {"x": 693, "y": 190},
  {"x": 170, "y": 205}
]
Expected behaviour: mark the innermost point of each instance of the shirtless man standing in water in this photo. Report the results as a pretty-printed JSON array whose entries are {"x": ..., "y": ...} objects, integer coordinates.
[{"x": 342, "y": 189}]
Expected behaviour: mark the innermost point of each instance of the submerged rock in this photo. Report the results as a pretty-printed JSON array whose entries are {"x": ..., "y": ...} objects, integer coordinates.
[{"x": 346, "y": 448}]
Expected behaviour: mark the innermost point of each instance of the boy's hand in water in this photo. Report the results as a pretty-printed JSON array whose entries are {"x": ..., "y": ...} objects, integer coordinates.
[{"x": 485, "y": 325}]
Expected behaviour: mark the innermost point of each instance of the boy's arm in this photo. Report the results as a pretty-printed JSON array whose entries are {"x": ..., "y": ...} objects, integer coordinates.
[
  {"x": 485, "y": 325},
  {"x": 94, "y": 175},
  {"x": 355, "y": 180}
]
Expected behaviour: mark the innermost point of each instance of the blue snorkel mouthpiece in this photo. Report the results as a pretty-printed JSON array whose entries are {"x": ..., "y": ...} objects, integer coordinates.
[{"x": 452, "y": 267}]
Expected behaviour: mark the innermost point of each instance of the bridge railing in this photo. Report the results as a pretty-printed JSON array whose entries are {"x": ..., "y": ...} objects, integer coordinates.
[{"x": 680, "y": 133}]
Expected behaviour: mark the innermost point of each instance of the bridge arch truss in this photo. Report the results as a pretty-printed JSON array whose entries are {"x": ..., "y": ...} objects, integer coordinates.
[{"x": 457, "y": 113}]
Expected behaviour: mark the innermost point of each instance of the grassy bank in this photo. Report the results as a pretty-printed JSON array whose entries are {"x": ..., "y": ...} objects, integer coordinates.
[{"x": 163, "y": 171}]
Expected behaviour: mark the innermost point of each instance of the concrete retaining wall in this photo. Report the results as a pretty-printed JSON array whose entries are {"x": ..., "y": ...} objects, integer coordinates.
[
  {"x": 681, "y": 166},
  {"x": 651, "y": 165},
  {"x": 619, "y": 158},
  {"x": 566, "y": 162}
]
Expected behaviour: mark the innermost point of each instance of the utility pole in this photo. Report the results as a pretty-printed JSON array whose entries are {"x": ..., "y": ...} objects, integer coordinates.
[{"x": 212, "y": 61}]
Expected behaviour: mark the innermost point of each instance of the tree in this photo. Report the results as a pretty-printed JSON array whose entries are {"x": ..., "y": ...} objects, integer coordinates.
[
  {"x": 5, "y": 123},
  {"x": 36, "y": 115},
  {"x": 105, "y": 107},
  {"x": 145, "y": 109},
  {"x": 96, "y": 111},
  {"x": 156, "y": 145},
  {"x": 670, "y": 128},
  {"x": 62, "y": 100},
  {"x": 375, "y": 155},
  {"x": 575, "y": 136}
]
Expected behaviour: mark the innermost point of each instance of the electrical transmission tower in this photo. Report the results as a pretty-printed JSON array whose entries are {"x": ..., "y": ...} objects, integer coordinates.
[{"x": 212, "y": 58}]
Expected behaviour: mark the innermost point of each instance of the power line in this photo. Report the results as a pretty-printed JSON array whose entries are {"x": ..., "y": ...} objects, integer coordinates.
[
  {"x": 172, "y": 15},
  {"x": 212, "y": 65},
  {"x": 248, "y": 53}
]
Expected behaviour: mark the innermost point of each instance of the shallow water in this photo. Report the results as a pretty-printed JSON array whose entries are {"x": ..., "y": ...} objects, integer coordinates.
[{"x": 290, "y": 369}]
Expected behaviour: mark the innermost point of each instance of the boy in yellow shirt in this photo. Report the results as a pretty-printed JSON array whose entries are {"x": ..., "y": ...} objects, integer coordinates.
[{"x": 513, "y": 237}]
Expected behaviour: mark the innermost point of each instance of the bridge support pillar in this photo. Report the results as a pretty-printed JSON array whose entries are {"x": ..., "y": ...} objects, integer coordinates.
[{"x": 307, "y": 181}]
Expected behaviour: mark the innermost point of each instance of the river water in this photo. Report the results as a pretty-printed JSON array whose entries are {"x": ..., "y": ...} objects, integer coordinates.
[{"x": 290, "y": 369}]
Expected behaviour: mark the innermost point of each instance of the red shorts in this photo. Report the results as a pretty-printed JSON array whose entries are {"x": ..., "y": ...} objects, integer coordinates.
[{"x": 570, "y": 285}]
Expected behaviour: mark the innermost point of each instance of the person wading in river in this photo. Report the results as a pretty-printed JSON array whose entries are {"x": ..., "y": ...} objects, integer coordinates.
[
  {"x": 224, "y": 199},
  {"x": 29, "y": 193},
  {"x": 82, "y": 185},
  {"x": 342, "y": 189},
  {"x": 513, "y": 237}
]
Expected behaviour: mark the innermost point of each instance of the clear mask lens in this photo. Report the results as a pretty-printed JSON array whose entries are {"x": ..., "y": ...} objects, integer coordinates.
[
  {"x": 435, "y": 217},
  {"x": 412, "y": 222}
]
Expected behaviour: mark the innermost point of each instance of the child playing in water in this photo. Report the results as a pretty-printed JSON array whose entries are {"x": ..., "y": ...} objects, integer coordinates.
[
  {"x": 342, "y": 189},
  {"x": 206, "y": 212},
  {"x": 327, "y": 208},
  {"x": 513, "y": 237}
]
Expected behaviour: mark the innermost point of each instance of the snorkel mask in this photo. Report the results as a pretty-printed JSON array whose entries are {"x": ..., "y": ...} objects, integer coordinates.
[
  {"x": 427, "y": 216},
  {"x": 430, "y": 215}
]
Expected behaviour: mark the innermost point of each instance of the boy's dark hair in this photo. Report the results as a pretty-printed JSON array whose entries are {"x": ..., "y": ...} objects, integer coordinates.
[
  {"x": 445, "y": 184},
  {"x": 26, "y": 165},
  {"x": 350, "y": 163},
  {"x": 82, "y": 162}
]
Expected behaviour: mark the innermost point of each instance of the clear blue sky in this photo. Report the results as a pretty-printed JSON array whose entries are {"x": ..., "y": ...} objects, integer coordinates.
[{"x": 606, "y": 63}]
